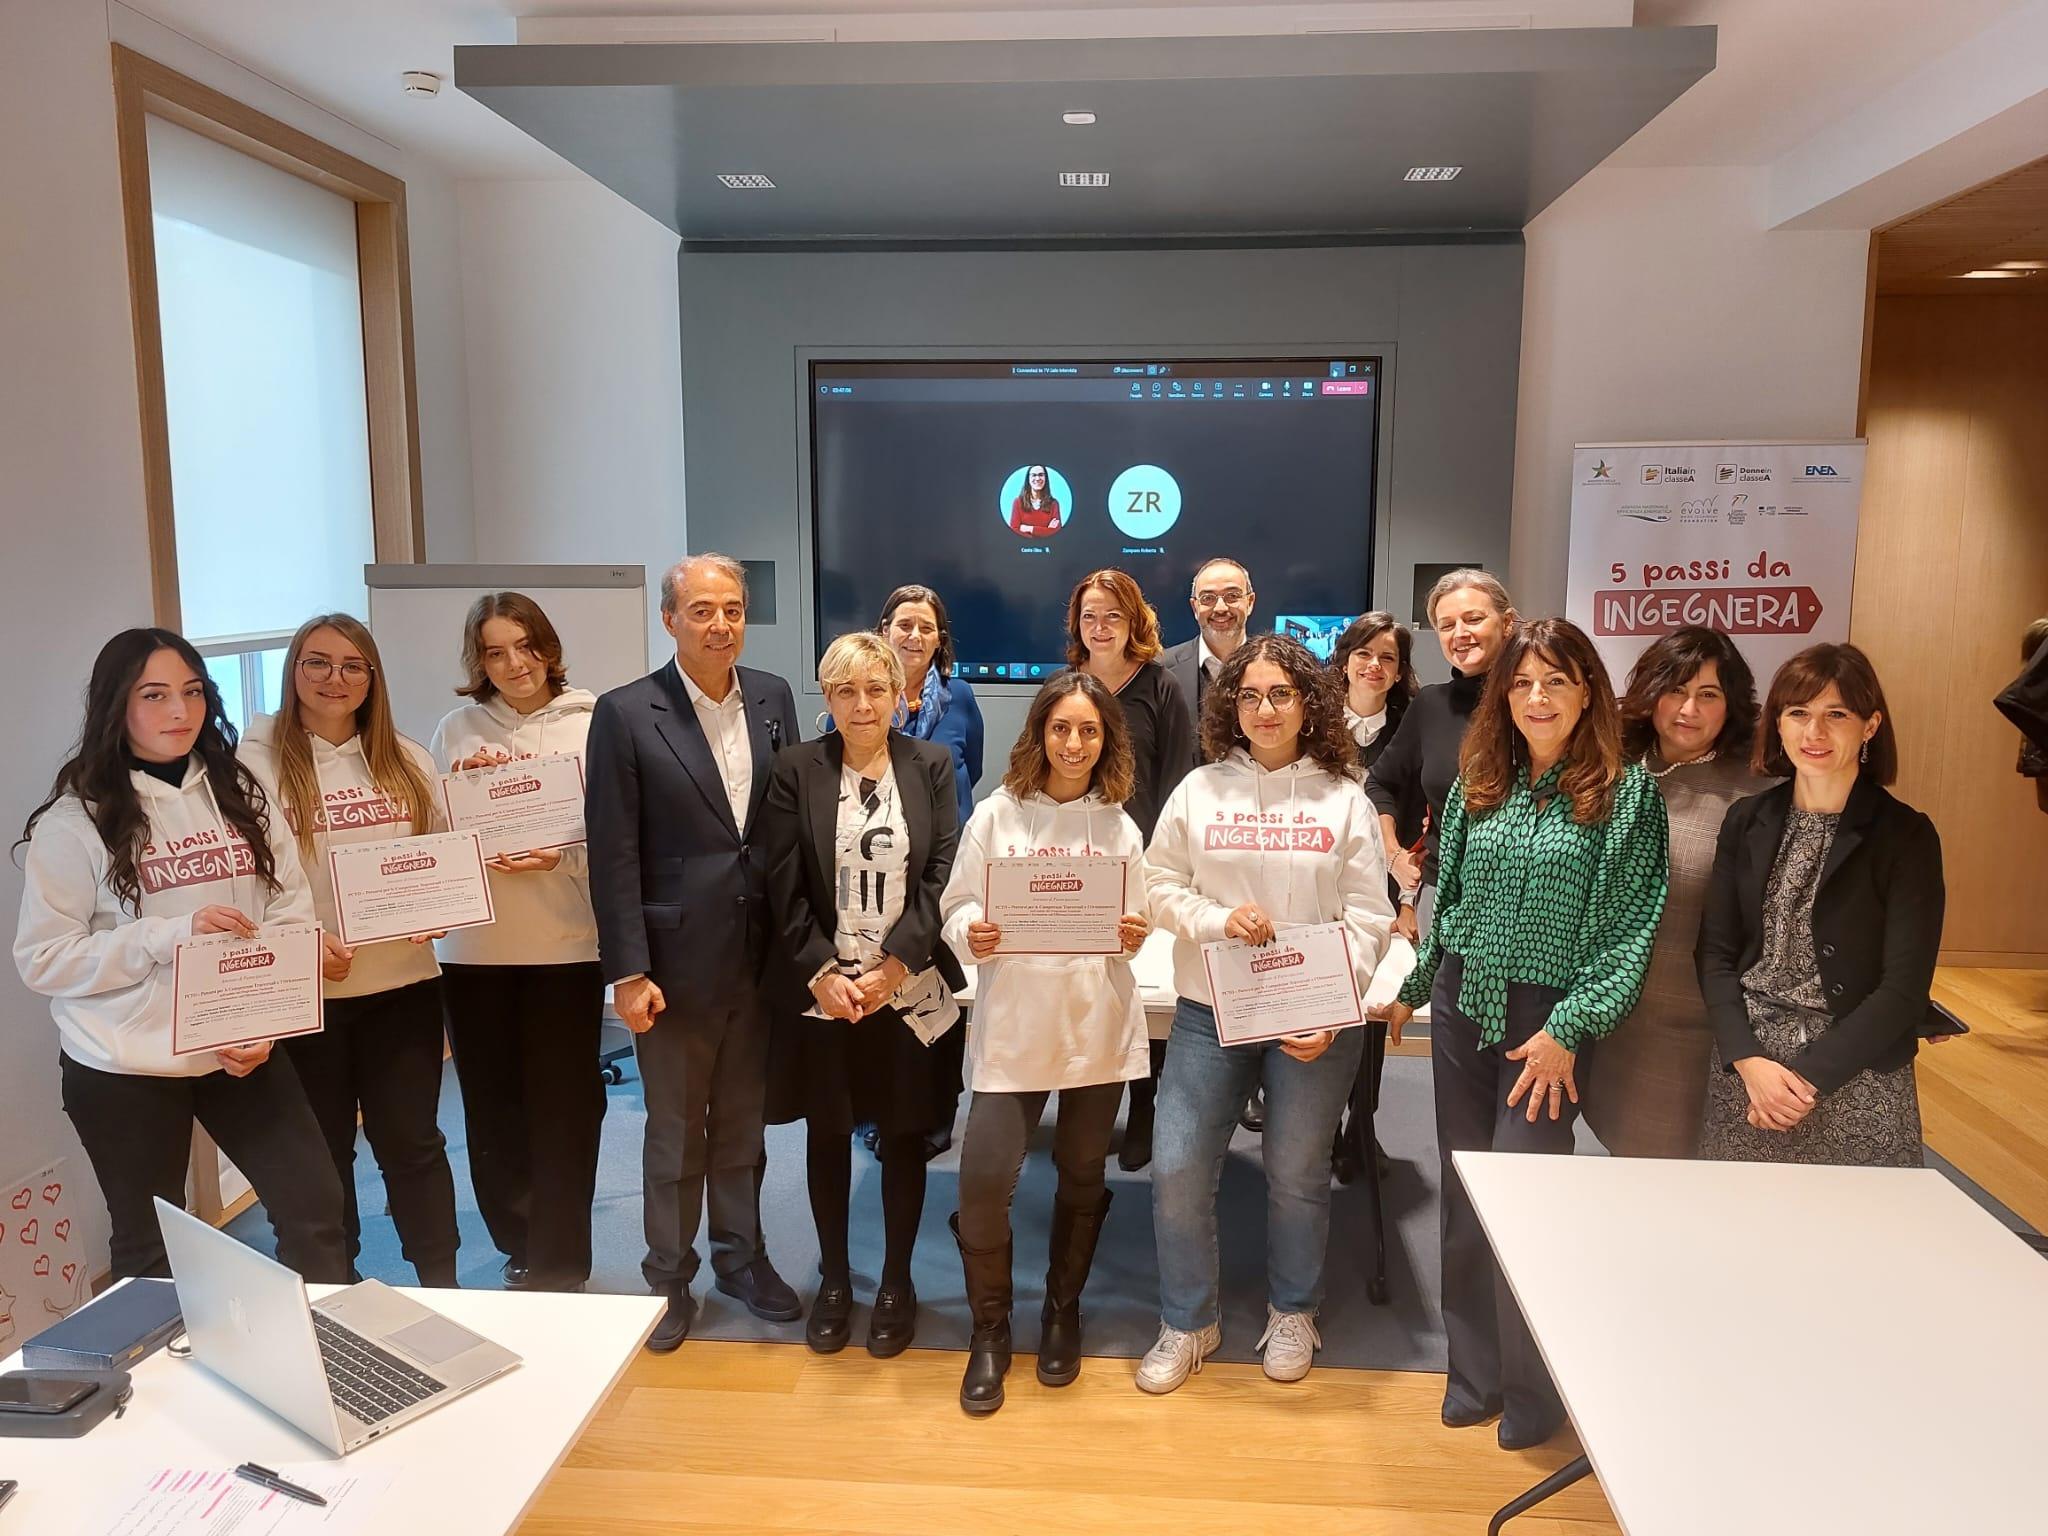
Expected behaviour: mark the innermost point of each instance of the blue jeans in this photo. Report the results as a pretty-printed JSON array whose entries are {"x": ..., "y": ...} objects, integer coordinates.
[{"x": 1200, "y": 1093}]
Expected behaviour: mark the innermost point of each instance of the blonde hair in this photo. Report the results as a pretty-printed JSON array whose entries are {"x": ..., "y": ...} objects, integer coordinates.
[
  {"x": 1479, "y": 581},
  {"x": 859, "y": 655},
  {"x": 397, "y": 776}
]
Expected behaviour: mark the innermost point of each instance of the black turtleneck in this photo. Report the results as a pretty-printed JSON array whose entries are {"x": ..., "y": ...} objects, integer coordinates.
[
  {"x": 171, "y": 773},
  {"x": 1421, "y": 763}
]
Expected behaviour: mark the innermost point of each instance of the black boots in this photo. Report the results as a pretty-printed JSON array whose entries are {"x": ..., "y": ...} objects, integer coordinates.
[
  {"x": 1136, "y": 1151},
  {"x": 988, "y": 1299},
  {"x": 1070, "y": 1255}
]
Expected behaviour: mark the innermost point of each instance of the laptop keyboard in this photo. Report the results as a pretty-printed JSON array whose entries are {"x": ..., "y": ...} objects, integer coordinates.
[{"x": 369, "y": 1384}]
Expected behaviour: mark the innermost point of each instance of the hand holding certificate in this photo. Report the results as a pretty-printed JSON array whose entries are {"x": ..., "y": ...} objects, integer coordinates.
[
  {"x": 526, "y": 805},
  {"x": 230, "y": 991},
  {"x": 1056, "y": 906},
  {"x": 410, "y": 886},
  {"x": 1301, "y": 983}
]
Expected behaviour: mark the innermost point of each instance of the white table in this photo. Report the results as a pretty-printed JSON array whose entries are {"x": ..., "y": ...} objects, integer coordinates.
[
  {"x": 471, "y": 1467},
  {"x": 1770, "y": 1349}
]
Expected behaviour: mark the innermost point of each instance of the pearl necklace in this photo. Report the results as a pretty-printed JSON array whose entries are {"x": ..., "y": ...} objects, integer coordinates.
[{"x": 1658, "y": 773}]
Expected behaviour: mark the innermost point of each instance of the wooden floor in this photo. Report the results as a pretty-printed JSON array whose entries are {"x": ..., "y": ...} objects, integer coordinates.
[{"x": 769, "y": 1438}]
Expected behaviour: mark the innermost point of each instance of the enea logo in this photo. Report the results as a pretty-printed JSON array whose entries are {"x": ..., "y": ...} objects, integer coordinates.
[{"x": 1822, "y": 469}]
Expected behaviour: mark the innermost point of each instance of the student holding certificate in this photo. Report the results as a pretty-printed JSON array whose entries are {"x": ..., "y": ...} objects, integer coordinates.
[
  {"x": 1273, "y": 833},
  {"x": 344, "y": 775},
  {"x": 153, "y": 835},
  {"x": 1551, "y": 880},
  {"x": 1044, "y": 1023},
  {"x": 526, "y": 994}
]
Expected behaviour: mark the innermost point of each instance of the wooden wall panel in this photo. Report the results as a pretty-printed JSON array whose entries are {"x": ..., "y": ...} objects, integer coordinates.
[{"x": 1951, "y": 564}]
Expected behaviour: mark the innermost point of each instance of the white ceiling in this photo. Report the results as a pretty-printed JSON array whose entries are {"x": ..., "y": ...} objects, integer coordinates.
[{"x": 1786, "y": 68}]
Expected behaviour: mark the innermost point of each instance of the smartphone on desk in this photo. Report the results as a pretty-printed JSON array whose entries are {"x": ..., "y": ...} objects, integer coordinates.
[{"x": 42, "y": 1394}]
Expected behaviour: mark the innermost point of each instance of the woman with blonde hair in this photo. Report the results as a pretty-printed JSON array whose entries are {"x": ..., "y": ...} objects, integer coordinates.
[
  {"x": 526, "y": 993},
  {"x": 345, "y": 775},
  {"x": 859, "y": 829}
]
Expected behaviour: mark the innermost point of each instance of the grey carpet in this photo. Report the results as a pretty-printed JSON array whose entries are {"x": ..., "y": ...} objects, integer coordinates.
[{"x": 1122, "y": 1303}]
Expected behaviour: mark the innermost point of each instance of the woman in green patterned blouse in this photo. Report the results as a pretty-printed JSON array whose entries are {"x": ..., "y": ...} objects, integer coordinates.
[{"x": 1550, "y": 881}]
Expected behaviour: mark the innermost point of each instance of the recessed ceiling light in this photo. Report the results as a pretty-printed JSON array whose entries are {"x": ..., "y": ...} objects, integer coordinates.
[
  {"x": 2022, "y": 266},
  {"x": 1432, "y": 172},
  {"x": 1084, "y": 178},
  {"x": 1077, "y": 119},
  {"x": 744, "y": 181},
  {"x": 1987, "y": 272}
]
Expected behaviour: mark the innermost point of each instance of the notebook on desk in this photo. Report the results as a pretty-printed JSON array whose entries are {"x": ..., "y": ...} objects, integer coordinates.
[{"x": 345, "y": 1369}]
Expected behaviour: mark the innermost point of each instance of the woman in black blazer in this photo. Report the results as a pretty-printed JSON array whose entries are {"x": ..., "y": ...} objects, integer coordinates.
[
  {"x": 860, "y": 828},
  {"x": 1816, "y": 950}
]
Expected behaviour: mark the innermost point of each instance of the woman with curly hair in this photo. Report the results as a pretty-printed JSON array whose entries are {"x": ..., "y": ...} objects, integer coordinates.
[
  {"x": 1550, "y": 883},
  {"x": 1273, "y": 832}
]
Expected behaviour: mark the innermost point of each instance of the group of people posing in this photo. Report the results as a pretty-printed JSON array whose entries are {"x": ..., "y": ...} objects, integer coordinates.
[{"x": 1706, "y": 923}]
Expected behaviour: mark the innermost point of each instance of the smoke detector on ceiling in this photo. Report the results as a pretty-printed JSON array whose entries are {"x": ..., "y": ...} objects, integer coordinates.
[{"x": 420, "y": 82}]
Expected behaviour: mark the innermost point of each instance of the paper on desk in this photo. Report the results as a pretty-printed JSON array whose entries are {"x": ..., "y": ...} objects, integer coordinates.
[{"x": 212, "y": 1501}]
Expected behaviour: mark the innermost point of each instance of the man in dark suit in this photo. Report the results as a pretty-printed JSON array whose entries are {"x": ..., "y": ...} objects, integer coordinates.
[
  {"x": 678, "y": 766},
  {"x": 1222, "y": 599}
]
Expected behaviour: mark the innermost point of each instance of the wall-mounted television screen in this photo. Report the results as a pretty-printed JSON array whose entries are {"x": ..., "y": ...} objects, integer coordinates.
[{"x": 1001, "y": 484}]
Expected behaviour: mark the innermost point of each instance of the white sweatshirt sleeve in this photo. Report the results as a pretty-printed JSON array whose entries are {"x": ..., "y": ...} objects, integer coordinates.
[
  {"x": 292, "y": 901},
  {"x": 1174, "y": 903},
  {"x": 56, "y": 948},
  {"x": 960, "y": 904},
  {"x": 1368, "y": 913}
]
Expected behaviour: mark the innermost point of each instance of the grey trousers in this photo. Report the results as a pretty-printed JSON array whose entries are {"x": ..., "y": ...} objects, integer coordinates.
[
  {"x": 1492, "y": 1355},
  {"x": 703, "y": 1067},
  {"x": 999, "y": 1127}
]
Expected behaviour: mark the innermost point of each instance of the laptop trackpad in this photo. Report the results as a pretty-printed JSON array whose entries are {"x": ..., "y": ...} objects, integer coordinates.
[{"x": 433, "y": 1339}]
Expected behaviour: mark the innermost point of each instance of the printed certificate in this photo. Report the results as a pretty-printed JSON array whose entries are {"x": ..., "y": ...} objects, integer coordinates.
[
  {"x": 528, "y": 805},
  {"x": 408, "y": 886},
  {"x": 227, "y": 990},
  {"x": 1301, "y": 982},
  {"x": 1055, "y": 906}
]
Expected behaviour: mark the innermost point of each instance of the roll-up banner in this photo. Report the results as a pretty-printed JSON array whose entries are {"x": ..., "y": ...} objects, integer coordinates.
[{"x": 1756, "y": 539}]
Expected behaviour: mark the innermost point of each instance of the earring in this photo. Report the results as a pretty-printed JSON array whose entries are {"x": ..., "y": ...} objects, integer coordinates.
[
  {"x": 824, "y": 725},
  {"x": 1864, "y": 755}
]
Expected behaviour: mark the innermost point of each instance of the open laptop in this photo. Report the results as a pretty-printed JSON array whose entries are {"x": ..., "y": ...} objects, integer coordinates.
[{"x": 345, "y": 1369}]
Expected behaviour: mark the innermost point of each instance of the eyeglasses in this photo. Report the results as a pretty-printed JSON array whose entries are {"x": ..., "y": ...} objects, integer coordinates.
[
  {"x": 1233, "y": 597},
  {"x": 319, "y": 669},
  {"x": 1249, "y": 699}
]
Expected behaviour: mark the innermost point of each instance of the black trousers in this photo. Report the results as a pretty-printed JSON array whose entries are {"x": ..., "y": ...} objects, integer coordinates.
[
  {"x": 999, "y": 1127},
  {"x": 137, "y": 1132},
  {"x": 1491, "y": 1352},
  {"x": 526, "y": 1043},
  {"x": 382, "y": 1054}
]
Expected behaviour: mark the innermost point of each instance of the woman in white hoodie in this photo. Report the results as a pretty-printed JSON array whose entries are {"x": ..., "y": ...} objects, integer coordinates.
[
  {"x": 526, "y": 994},
  {"x": 1273, "y": 832},
  {"x": 344, "y": 775},
  {"x": 1071, "y": 1024},
  {"x": 153, "y": 834}
]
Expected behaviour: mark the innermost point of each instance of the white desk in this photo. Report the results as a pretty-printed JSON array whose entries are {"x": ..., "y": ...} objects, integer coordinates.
[
  {"x": 1762, "y": 1349},
  {"x": 471, "y": 1467}
]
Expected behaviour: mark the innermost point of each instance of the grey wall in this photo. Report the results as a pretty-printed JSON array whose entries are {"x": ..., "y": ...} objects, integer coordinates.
[{"x": 1448, "y": 317}]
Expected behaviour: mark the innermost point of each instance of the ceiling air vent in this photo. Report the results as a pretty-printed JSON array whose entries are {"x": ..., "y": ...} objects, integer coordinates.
[
  {"x": 744, "y": 181},
  {"x": 1084, "y": 178}
]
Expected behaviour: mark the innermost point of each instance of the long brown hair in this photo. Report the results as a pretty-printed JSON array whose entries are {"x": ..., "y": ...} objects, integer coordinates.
[
  {"x": 541, "y": 639},
  {"x": 1115, "y": 772},
  {"x": 1130, "y": 597},
  {"x": 97, "y": 772},
  {"x": 1666, "y": 666},
  {"x": 397, "y": 776},
  {"x": 1494, "y": 749},
  {"x": 1324, "y": 739}
]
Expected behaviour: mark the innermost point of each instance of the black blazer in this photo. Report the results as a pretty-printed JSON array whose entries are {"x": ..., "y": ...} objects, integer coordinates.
[
  {"x": 1183, "y": 663},
  {"x": 679, "y": 890},
  {"x": 799, "y": 824},
  {"x": 1876, "y": 930}
]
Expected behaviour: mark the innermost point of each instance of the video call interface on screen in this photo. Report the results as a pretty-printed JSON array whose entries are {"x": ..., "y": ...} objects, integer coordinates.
[{"x": 1001, "y": 484}]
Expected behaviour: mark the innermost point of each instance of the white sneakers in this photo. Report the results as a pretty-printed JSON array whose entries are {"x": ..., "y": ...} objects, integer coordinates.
[
  {"x": 1290, "y": 1342},
  {"x": 1289, "y": 1346},
  {"x": 1176, "y": 1357}
]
